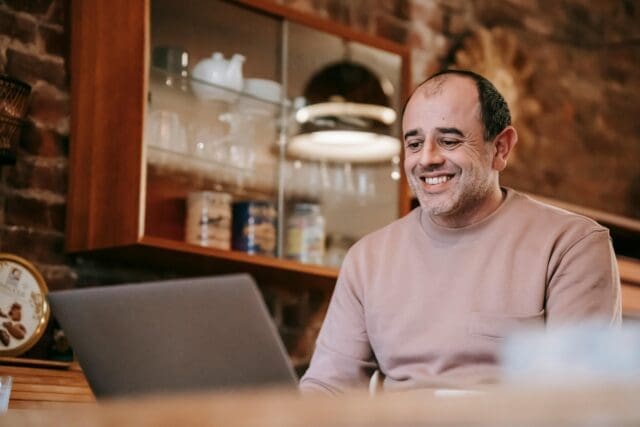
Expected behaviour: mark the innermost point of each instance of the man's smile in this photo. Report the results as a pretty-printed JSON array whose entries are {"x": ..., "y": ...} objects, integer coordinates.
[{"x": 435, "y": 182}]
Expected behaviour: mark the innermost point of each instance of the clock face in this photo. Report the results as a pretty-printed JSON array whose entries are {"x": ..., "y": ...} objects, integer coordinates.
[{"x": 24, "y": 310}]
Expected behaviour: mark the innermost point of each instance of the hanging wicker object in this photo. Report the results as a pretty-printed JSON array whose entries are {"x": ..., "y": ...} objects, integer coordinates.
[{"x": 14, "y": 101}]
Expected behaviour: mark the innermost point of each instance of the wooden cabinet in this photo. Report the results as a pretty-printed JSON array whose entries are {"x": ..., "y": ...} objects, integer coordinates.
[{"x": 127, "y": 196}]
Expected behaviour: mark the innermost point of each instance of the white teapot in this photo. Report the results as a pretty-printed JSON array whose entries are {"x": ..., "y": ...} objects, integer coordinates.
[{"x": 220, "y": 72}]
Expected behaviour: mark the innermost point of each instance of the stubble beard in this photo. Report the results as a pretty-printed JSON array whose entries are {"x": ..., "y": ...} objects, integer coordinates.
[{"x": 469, "y": 191}]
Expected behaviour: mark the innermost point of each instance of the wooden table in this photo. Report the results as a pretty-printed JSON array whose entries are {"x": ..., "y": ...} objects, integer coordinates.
[
  {"x": 505, "y": 406},
  {"x": 45, "y": 384}
]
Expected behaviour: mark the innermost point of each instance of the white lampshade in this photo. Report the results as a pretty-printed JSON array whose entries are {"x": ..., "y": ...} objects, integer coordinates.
[
  {"x": 348, "y": 118},
  {"x": 344, "y": 146},
  {"x": 381, "y": 113}
]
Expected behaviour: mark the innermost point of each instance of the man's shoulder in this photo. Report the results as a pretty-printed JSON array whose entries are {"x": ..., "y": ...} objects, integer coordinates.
[{"x": 543, "y": 216}]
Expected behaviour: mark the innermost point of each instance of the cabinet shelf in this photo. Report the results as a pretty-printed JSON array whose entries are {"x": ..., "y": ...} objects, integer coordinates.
[
  {"x": 209, "y": 174},
  {"x": 184, "y": 86},
  {"x": 198, "y": 260}
]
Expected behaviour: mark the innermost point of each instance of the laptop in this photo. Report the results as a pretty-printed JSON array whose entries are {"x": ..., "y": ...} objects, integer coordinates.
[{"x": 171, "y": 336}]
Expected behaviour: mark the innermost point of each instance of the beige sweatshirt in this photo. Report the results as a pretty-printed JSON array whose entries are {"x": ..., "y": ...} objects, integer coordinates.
[{"x": 428, "y": 306}]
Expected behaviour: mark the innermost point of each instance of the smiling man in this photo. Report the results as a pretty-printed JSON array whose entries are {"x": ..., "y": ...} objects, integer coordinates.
[{"x": 427, "y": 299}]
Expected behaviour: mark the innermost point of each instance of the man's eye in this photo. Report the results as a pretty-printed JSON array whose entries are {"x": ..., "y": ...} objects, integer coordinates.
[
  {"x": 414, "y": 146},
  {"x": 449, "y": 144}
]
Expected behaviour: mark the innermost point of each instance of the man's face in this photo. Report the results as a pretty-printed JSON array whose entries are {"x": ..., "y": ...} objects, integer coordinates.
[{"x": 447, "y": 162}]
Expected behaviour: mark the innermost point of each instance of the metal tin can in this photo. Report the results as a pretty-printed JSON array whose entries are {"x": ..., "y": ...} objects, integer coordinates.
[
  {"x": 254, "y": 227},
  {"x": 208, "y": 220},
  {"x": 305, "y": 234}
]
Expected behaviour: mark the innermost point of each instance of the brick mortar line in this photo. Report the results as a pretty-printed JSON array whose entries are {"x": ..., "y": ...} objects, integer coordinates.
[
  {"x": 58, "y": 162},
  {"x": 32, "y": 49},
  {"x": 38, "y": 21},
  {"x": 32, "y": 230},
  {"x": 36, "y": 194},
  {"x": 62, "y": 127},
  {"x": 54, "y": 267},
  {"x": 56, "y": 93}
]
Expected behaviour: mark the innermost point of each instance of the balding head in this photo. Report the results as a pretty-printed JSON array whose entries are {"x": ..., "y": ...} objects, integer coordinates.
[{"x": 494, "y": 111}]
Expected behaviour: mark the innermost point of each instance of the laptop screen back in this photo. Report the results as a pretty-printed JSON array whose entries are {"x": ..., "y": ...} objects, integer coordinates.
[{"x": 172, "y": 336}]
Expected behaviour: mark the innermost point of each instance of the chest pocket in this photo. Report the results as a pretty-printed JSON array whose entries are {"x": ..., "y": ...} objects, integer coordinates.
[{"x": 499, "y": 325}]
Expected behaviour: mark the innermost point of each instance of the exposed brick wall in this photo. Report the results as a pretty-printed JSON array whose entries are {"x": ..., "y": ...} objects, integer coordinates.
[{"x": 33, "y": 192}]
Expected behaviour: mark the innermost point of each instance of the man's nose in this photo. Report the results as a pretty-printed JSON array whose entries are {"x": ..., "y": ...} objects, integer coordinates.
[{"x": 430, "y": 154}]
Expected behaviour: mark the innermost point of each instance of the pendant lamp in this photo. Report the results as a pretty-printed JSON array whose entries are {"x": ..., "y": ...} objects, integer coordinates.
[{"x": 347, "y": 118}]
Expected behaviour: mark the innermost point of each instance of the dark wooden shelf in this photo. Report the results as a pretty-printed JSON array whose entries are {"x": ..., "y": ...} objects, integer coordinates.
[{"x": 199, "y": 260}]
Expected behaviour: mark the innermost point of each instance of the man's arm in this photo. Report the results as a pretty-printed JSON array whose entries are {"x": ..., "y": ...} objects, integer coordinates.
[
  {"x": 585, "y": 283},
  {"x": 343, "y": 358}
]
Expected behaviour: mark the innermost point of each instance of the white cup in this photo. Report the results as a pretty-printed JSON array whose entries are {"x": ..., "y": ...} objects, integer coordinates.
[
  {"x": 167, "y": 131},
  {"x": 5, "y": 392}
]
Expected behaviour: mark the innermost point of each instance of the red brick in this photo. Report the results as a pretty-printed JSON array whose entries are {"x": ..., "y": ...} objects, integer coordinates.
[
  {"x": 49, "y": 107},
  {"x": 58, "y": 277},
  {"x": 392, "y": 28},
  {"x": 31, "y": 68},
  {"x": 38, "y": 7},
  {"x": 54, "y": 38},
  {"x": 431, "y": 15},
  {"x": 362, "y": 18},
  {"x": 398, "y": 8},
  {"x": 415, "y": 41},
  {"x": 337, "y": 11},
  {"x": 43, "y": 142},
  {"x": 34, "y": 245},
  {"x": 93, "y": 272},
  {"x": 50, "y": 176},
  {"x": 57, "y": 12},
  {"x": 299, "y": 343},
  {"x": 291, "y": 339},
  {"x": 20, "y": 27},
  {"x": 458, "y": 24},
  {"x": 295, "y": 312},
  {"x": 34, "y": 212}
]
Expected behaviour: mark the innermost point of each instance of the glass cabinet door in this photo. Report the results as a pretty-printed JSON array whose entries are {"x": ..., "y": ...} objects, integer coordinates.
[
  {"x": 211, "y": 124},
  {"x": 356, "y": 193},
  {"x": 225, "y": 83}
]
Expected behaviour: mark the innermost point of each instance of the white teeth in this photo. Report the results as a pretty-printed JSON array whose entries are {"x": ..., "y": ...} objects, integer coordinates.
[{"x": 437, "y": 180}]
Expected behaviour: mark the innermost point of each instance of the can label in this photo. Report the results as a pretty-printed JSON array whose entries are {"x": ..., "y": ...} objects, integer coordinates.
[
  {"x": 254, "y": 227},
  {"x": 208, "y": 221},
  {"x": 306, "y": 244}
]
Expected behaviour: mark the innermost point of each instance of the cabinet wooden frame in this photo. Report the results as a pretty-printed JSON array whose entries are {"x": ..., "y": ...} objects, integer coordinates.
[{"x": 107, "y": 195}]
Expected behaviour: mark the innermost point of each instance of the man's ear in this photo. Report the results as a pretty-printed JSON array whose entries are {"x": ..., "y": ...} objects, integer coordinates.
[{"x": 504, "y": 143}]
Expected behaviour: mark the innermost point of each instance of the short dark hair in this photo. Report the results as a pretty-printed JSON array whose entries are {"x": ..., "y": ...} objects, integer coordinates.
[{"x": 494, "y": 111}]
